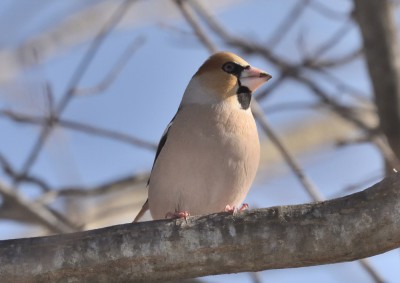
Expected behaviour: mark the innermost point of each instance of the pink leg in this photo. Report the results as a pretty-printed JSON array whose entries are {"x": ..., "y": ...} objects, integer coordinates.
[
  {"x": 177, "y": 214},
  {"x": 234, "y": 209},
  {"x": 244, "y": 206}
]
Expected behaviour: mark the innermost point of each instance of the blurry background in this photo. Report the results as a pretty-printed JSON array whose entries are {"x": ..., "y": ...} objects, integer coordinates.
[{"x": 87, "y": 88}]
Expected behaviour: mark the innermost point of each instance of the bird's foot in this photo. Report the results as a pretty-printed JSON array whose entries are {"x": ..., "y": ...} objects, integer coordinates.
[
  {"x": 177, "y": 214},
  {"x": 234, "y": 209}
]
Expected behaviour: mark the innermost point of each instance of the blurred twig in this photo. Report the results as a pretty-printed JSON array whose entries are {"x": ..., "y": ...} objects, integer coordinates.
[
  {"x": 190, "y": 18},
  {"x": 113, "y": 73},
  {"x": 9, "y": 170},
  {"x": 277, "y": 82},
  {"x": 289, "y": 21},
  {"x": 333, "y": 40},
  {"x": 327, "y": 12},
  {"x": 81, "y": 127},
  {"x": 310, "y": 188},
  {"x": 122, "y": 137},
  {"x": 338, "y": 61},
  {"x": 113, "y": 186}
]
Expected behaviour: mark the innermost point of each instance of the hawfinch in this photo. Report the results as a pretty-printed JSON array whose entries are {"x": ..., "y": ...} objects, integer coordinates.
[{"x": 208, "y": 155}]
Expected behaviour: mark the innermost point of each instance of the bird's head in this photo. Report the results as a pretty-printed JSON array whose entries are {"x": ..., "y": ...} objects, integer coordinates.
[{"x": 224, "y": 77}]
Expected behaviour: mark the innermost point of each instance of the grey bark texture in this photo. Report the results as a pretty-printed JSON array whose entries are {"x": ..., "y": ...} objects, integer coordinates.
[
  {"x": 377, "y": 23},
  {"x": 344, "y": 229}
]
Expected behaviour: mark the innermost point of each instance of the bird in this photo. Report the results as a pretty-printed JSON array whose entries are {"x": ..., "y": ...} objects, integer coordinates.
[{"x": 208, "y": 155}]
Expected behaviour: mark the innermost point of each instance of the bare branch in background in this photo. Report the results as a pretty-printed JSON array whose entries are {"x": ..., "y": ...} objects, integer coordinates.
[
  {"x": 271, "y": 87},
  {"x": 332, "y": 41},
  {"x": 113, "y": 73},
  {"x": 12, "y": 173},
  {"x": 75, "y": 79},
  {"x": 81, "y": 127},
  {"x": 289, "y": 21},
  {"x": 116, "y": 185},
  {"x": 310, "y": 188},
  {"x": 321, "y": 8},
  {"x": 121, "y": 137},
  {"x": 190, "y": 18}
]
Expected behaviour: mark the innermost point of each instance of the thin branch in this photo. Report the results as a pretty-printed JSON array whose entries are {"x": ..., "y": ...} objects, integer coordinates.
[
  {"x": 289, "y": 21},
  {"x": 328, "y": 12},
  {"x": 192, "y": 20},
  {"x": 350, "y": 115},
  {"x": 121, "y": 137},
  {"x": 380, "y": 141},
  {"x": 113, "y": 73},
  {"x": 255, "y": 277},
  {"x": 247, "y": 46},
  {"x": 290, "y": 106},
  {"x": 344, "y": 59},
  {"x": 277, "y": 82},
  {"x": 79, "y": 192},
  {"x": 339, "y": 230},
  {"x": 343, "y": 86},
  {"x": 294, "y": 166},
  {"x": 343, "y": 111},
  {"x": 81, "y": 127},
  {"x": 333, "y": 40},
  {"x": 21, "y": 118},
  {"x": 9, "y": 170}
]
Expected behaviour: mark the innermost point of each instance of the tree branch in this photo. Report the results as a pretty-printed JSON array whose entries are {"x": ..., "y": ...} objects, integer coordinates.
[
  {"x": 78, "y": 126},
  {"x": 377, "y": 23},
  {"x": 344, "y": 229}
]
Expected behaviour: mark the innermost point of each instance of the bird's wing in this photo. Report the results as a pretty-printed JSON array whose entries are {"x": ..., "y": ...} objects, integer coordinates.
[{"x": 162, "y": 143}]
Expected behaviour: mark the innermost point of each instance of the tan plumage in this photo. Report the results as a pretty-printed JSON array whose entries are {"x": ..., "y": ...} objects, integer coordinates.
[{"x": 209, "y": 154}]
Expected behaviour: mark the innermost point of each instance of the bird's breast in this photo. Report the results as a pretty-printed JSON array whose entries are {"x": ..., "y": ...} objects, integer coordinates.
[{"x": 208, "y": 161}]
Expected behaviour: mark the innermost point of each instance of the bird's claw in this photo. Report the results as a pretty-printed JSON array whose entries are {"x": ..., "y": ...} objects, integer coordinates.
[
  {"x": 234, "y": 209},
  {"x": 177, "y": 214}
]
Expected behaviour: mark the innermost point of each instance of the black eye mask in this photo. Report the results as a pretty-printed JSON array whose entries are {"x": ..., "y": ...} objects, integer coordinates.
[
  {"x": 233, "y": 68},
  {"x": 243, "y": 93}
]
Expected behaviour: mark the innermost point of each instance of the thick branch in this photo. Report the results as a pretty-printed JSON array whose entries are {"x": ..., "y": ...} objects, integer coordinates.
[
  {"x": 378, "y": 29},
  {"x": 353, "y": 227}
]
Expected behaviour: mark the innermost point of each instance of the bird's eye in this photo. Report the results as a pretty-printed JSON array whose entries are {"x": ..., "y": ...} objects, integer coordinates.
[{"x": 230, "y": 67}]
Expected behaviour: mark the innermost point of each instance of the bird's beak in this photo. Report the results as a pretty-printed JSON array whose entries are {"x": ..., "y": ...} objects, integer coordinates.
[{"x": 253, "y": 78}]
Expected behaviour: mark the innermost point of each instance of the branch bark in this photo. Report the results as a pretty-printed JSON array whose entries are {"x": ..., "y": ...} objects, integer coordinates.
[{"x": 344, "y": 229}]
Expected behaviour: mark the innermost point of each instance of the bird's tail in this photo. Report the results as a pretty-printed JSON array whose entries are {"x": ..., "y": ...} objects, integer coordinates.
[{"x": 145, "y": 207}]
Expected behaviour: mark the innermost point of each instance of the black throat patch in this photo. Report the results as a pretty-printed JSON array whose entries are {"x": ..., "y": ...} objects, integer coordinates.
[{"x": 244, "y": 96}]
